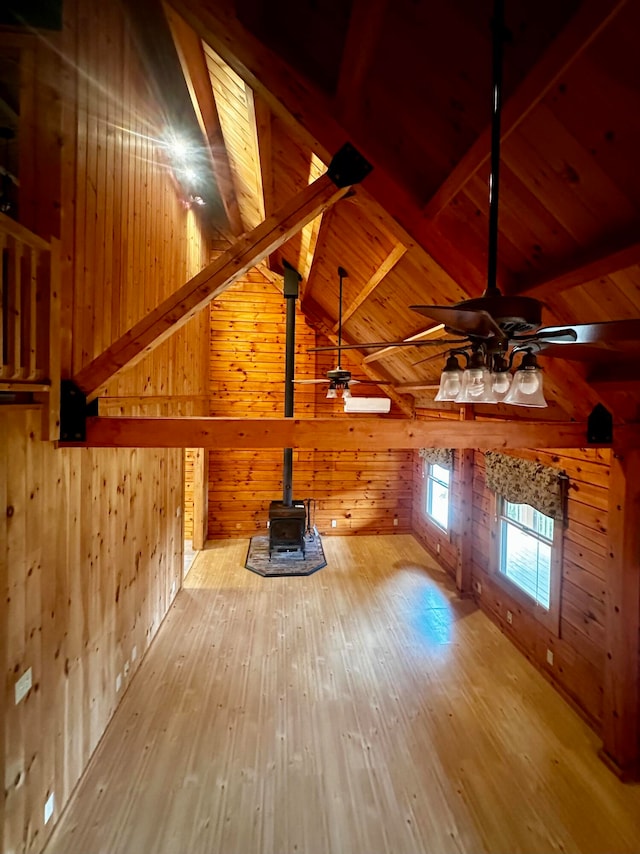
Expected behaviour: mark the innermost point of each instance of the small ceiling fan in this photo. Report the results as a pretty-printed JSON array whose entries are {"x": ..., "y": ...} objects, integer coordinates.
[
  {"x": 340, "y": 380},
  {"x": 495, "y": 328}
]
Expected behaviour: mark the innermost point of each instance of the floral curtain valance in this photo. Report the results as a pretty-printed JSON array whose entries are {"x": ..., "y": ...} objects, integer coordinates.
[
  {"x": 525, "y": 482},
  {"x": 438, "y": 456}
]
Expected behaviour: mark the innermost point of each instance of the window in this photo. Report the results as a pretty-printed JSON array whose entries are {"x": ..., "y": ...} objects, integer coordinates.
[
  {"x": 526, "y": 543},
  {"x": 438, "y": 494}
]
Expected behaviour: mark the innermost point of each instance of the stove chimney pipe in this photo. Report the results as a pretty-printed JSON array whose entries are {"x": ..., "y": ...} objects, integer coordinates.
[{"x": 290, "y": 291}]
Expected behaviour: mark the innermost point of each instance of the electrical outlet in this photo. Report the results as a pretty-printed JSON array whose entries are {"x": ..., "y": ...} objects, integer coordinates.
[
  {"x": 437, "y": 548},
  {"x": 334, "y": 523},
  {"x": 118, "y": 683},
  {"x": 49, "y": 806},
  {"x": 23, "y": 685},
  {"x": 509, "y": 617},
  {"x": 134, "y": 653},
  {"x": 550, "y": 657},
  {"x": 477, "y": 586},
  {"x": 126, "y": 669}
]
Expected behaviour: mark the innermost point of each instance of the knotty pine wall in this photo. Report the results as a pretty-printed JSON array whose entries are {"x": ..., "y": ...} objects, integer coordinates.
[
  {"x": 580, "y": 649},
  {"x": 362, "y": 492},
  {"x": 442, "y": 545},
  {"x": 91, "y": 540}
]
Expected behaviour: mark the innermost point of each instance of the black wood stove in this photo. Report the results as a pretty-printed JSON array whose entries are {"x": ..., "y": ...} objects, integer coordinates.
[{"x": 287, "y": 525}]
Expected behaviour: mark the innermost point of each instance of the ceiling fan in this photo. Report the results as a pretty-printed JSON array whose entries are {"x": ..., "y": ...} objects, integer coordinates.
[
  {"x": 494, "y": 329},
  {"x": 339, "y": 379}
]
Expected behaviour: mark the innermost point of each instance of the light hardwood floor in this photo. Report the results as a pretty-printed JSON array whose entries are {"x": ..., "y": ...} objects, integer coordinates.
[{"x": 361, "y": 710}]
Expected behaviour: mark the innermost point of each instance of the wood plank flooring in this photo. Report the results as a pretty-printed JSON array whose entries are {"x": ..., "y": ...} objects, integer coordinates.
[{"x": 361, "y": 710}]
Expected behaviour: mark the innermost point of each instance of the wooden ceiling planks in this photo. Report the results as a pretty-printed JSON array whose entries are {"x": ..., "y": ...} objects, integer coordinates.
[
  {"x": 194, "y": 67},
  {"x": 560, "y": 196},
  {"x": 234, "y": 111}
]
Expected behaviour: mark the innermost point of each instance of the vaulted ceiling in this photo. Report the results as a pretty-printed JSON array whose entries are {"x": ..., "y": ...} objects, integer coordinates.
[{"x": 278, "y": 87}]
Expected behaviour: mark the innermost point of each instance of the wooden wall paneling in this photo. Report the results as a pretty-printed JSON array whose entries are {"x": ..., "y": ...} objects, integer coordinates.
[
  {"x": 362, "y": 491},
  {"x": 579, "y": 651}
]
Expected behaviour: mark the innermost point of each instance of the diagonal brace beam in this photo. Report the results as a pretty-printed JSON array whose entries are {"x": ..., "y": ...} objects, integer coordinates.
[{"x": 209, "y": 283}]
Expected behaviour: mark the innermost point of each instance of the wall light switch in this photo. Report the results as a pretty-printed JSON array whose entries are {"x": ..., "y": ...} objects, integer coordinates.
[
  {"x": 334, "y": 523},
  {"x": 549, "y": 657},
  {"x": 23, "y": 685},
  {"x": 509, "y": 617},
  {"x": 395, "y": 521}
]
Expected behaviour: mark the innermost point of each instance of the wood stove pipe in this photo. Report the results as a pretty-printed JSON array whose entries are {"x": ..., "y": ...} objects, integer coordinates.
[{"x": 290, "y": 291}]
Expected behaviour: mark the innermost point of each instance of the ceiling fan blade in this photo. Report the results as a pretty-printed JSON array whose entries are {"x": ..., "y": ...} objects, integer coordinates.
[
  {"x": 369, "y": 382},
  {"x": 604, "y": 332},
  {"x": 467, "y": 321},
  {"x": 435, "y": 342},
  {"x": 310, "y": 382},
  {"x": 430, "y": 358}
]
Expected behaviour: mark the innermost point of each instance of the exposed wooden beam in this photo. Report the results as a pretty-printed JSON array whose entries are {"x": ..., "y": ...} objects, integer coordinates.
[
  {"x": 324, "y": 233},
  {"x": 260, "y": 124},
  {"x": 595, "y": 264},
  {"x": 363, "y": 35},
  {"x": 348, "y": 434},
  {"x": 305, "y": 108},
  {"x": 196, "y": 75},
  {"x": 620, "y": 718},
  {"x": 383, "y": 270},
  {"x": 464, "y": 510},
  {"x": 215, "y": 278},
  {"x": 583, "y": 28},
  {"x": 426, "y": 335},
  {"x": 319, "y": 321},
  {"x": 200, "y": 498}
]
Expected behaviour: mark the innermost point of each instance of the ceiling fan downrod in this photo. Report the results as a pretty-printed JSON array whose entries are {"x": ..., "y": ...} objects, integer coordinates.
[{"x": 499, "y": 36}]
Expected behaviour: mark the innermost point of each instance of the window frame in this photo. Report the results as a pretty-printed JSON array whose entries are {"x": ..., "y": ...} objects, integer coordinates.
[
  {"x": 549, "y": 618},
  {"x": 430, "y": 479}
]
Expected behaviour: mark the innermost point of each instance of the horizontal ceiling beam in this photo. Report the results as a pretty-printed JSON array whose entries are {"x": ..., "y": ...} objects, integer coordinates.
[
  {"x": 209, "y": 283},
  {"x": 330, "y": 433}
]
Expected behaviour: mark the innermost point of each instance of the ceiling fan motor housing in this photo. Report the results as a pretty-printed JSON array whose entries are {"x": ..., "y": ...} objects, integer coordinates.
[
  {"x": 339, "y": 376},
  {"x": 514, "y": 315}
]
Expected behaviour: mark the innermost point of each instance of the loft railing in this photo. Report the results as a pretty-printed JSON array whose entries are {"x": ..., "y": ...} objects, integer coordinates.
[{"x": 30, "y": 319}]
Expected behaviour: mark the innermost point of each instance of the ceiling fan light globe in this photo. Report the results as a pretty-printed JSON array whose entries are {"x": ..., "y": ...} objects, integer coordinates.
[
  {"x": 331, "y": 393},
  {"x": 501, "y": 383},
  {"x": 526, "y": 389},
  {"x": 476, "y": 387},
  {"x": 346, "y": 392},
  {"x": 450, "y": 385}
]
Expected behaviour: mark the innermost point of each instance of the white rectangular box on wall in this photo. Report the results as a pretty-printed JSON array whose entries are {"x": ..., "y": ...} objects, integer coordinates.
[{"x": 367, "y": 404}]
